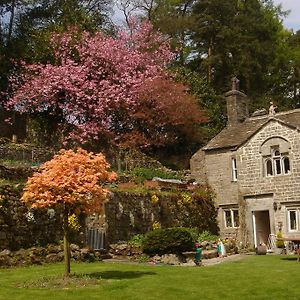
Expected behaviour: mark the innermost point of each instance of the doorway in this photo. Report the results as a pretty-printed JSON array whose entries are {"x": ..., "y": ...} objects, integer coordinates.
[{"x": 261, "y": 227}]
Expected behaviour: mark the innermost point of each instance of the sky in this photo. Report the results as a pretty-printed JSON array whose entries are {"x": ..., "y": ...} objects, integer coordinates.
[{"x": 292, "y": 21}]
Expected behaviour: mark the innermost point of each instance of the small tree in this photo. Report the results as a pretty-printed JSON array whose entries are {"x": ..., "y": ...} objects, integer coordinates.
[{"x": 72, "y": 182}]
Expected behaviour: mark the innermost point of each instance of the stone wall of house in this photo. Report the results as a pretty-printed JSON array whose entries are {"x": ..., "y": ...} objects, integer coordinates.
[
  {"x": 219, "y": 178},
  {"x": 261, "y": 192},
  {"x": 198, "y": 167},
  {"x": 253, "y": 191}
]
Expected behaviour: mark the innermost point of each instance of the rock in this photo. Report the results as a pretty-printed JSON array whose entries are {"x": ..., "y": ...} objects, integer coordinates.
[
  {"x": 51, "y": 258},
  {"x": 5, "y": 252},
  {"x": 207, "y": 254},
  {"x": 135, "y": 250},
  {"x": 171, "y": 259},
  {"x": 74, "y": 247},
  {"x": 156, "y": 259},
  {"x": 4, "y": 261}
]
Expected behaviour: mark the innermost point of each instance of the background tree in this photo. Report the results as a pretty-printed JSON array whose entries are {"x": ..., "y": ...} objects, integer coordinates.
[
  {"x": 93, "y": 78},
  {"x": 171, "y": 17},
  {"x": 26, "y": 27},
  {"x": 165, "y": 122},
  {"x": 72, "y": 182}
]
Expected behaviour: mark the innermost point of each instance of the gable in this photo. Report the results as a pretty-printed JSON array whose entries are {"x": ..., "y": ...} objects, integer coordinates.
[{"x": 235, "y": 136}]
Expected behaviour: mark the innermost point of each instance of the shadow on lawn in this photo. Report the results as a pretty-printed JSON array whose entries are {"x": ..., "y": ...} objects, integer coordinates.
[
  {"x": 119, "y": 274},
  {"x": 289, "y": 258}
]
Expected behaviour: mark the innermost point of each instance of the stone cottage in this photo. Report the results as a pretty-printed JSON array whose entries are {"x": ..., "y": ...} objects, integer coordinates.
[{"x": 253, "y": 166}]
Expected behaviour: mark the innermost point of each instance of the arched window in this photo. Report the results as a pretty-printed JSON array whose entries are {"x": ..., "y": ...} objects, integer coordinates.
[
  {"x": 269, "y": 167},
  {"x": 277, "y": 163},
  {"x": 286, "y": 165}
]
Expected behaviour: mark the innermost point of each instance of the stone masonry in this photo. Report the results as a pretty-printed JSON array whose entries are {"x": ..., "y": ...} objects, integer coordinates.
[{"x": 262, "y": 200}]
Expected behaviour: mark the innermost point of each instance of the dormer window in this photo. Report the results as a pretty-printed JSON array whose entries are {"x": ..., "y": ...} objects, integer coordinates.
[{"x": 277, "y": 163}]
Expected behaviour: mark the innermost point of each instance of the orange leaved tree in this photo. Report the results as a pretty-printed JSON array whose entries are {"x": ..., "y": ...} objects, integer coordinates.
[{"x": 73, "y": 182}]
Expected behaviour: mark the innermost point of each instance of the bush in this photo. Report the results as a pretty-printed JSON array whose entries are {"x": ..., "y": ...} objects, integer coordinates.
[
  {"x": 279, "y": 243},
  {"x": 137, "y": 240},
  {"x": 142, "y": 174},
  {"x": 207, "y": 236},
  {"x": 168, "y": 240}
]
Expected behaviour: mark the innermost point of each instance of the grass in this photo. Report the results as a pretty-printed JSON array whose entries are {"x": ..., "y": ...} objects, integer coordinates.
[{"x": 255, "y": 277}]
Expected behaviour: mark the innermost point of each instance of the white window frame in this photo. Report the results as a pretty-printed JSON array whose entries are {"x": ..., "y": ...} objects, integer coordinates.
[
  {"x": 273, "y": 158},
  {"x": 234, "y": 169},
  {"x": 233, "y": 223},
  {"x": 296, "y": 210}
]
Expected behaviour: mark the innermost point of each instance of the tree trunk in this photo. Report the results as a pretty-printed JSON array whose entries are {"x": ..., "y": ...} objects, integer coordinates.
[
  {"x": 209, "y": 67},
  {"x": 66, "y": 243},
  {"x": 11, "y": 20}
]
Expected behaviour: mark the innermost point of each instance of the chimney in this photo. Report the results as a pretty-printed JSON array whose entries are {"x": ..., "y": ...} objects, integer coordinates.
[{"x": 237, "y": 104}]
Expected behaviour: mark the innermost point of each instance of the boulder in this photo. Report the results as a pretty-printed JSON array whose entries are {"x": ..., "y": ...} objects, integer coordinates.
[{"x": 171, "y": 259}]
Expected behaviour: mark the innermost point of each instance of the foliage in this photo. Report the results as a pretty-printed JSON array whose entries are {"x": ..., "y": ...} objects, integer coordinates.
[
  {"x": 73, "y": 222},
  {"x": 156, "y": 225},
  {"x": 26, "y": 27},
  {"x": 207, "y": 236},
  {"x": 137, "y": 240},
  {"x": 144, "y": 258},
  {"x": 94, "y": 77},
  {"x": 194, "y": 231},
  {"x": 168, "y": 240},
  {"x": 279, "y": 243},
  {"x": 165, "y": 114},
  {"x": 142, "y": 174},
  {"x": 72, "y": 182},
  {"x": 208, "y": 99},
  {"x": 154, "y": 199},
  {"x": 196, "y": 209}
]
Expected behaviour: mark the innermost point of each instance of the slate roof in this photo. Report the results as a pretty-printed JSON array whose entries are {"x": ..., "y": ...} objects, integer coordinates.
[{"x": 235, "y": 136}]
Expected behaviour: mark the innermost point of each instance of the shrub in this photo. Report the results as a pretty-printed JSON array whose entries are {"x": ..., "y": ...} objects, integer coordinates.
[
  {"x": 137, "y": 240},
  {"x": 142, "y": 174},
  {"x": 168, "y": 240},
  {"x": 207, "y": 236},
  {"x": 194, "y": 232},
  {"x": 279, "y": 243}
]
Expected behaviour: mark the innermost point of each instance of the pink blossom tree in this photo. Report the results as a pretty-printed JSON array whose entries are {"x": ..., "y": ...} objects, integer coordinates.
[
  {"x": 92, "y": 76},
  {"x": 95, "y": 85}
]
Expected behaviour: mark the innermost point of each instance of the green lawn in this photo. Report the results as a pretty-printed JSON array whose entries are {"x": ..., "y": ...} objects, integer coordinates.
[{"x": 255, "y": 277}]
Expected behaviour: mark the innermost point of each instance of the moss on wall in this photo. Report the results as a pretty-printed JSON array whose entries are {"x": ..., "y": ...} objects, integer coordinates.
[{"x": 130, "y": 213}]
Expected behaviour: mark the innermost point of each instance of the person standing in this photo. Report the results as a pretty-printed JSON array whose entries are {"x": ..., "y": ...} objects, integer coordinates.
[{"x": 198, "y": 254}]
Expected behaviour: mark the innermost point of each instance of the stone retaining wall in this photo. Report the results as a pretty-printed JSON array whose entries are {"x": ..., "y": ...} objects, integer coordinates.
[
  {"x": 21, "y": 228},
  {"x": 129, "y": 213}
]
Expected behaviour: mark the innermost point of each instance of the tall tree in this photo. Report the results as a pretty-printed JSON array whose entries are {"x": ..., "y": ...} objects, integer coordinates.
[
  {"x": 171, "y": 17},
  {"x": 26, "y": 26},
  {"x": 92, "y": 77}
]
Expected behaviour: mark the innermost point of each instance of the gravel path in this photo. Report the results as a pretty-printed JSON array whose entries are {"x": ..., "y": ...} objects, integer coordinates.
[
  {"x": 218, "y": 260},
  {"x": 205, "y": 262}
]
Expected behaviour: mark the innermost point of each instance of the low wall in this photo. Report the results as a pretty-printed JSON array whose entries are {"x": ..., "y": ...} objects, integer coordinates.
[
  {"x": 129, "y": 213},
  {"x": 21, "y": 228}
]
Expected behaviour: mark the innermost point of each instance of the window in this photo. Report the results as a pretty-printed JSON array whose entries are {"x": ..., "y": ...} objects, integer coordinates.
[
  {"x": 231, "y": 218},
  {"x": 277, "y": 163},
  {"x": 293, "y": 219},
  {"x": 234, "y": 169}
]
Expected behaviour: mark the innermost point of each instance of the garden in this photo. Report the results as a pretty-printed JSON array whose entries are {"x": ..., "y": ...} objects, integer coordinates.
[{"x": 251, "y": 277}]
